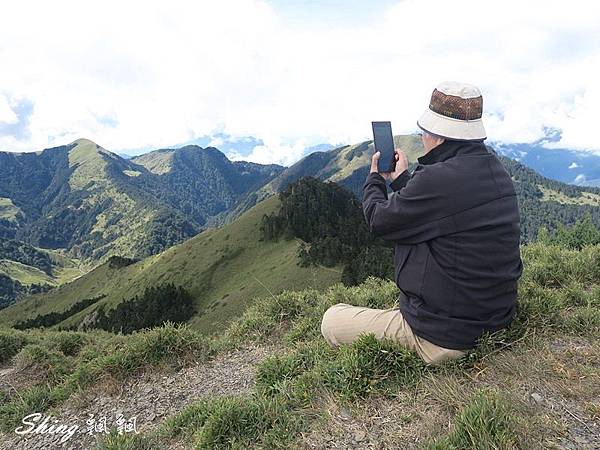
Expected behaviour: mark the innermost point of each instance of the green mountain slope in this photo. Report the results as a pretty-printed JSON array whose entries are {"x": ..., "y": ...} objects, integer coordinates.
[
  {"x": 223, "y": 269},
  {"x": 92, "y": 204},
  {"x": 202, "y": 182},
  {"x": 26, "y": 270},
  {"x": 546, "y": 203},
  {"x": 347, "y": 165},
  {"x": 270, "y": 380},
  {"x": 9, "y": 217},
  {"x": 89, "y": 202},
  {"x": 542, "y": 201}
]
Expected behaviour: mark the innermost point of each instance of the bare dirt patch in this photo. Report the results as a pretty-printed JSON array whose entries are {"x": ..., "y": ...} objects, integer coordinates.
[{"x": 149, "y": 398}]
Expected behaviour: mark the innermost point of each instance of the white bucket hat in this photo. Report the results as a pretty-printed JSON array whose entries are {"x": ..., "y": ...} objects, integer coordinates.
[{"x": 454, "y": 112}]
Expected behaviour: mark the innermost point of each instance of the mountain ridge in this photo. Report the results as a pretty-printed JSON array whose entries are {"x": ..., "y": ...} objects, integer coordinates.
[
  {"x": 87, "y": 190},
  {"x": 91, "y": 204},
  {"x": 223, "y": 269},
  {"x": 541, "y": 199},
  {"x": 578, "y": 167}
]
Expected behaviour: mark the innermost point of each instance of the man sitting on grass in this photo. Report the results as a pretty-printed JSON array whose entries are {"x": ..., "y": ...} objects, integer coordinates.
[{"x": 455, "y": 225}]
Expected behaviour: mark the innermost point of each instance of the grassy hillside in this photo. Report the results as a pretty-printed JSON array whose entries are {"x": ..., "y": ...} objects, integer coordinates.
[
  {"x": 548, "y": 203},
  {"x": 202, "y": 182},
  {"x": 542, "y": 201},
  {"x": 584, "y": 198},
  {"x": 28, "y": 275},
  {"x": 93, "y": 204},
  {"x": 535, "y": 385},
  {"x": 347, "y": 165},
  {"x": 8, "y": 211},
  {"x": 25, "y": 270},
  {"x": 223, "y": 269},
  {"x": 86, "y": 201}
]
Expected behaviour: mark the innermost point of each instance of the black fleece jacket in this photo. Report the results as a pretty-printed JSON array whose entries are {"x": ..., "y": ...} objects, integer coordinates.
[{"x": 455, "y": 224}]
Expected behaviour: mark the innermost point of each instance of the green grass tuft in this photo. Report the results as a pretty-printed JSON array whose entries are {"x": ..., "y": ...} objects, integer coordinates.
[
  {"x": 557, "y": 294},
  {"x": 370, "y": 365},
  {"x": 11, "y": 342},
  {"x": 235, "y": 422},
  {"x": 103, "y": 355},
  {"x": 47, "y": 364},
  {"x": 486, "y": 422},
  {"x": 583, "y": 321},
  {"x": 128, "y": 441}
]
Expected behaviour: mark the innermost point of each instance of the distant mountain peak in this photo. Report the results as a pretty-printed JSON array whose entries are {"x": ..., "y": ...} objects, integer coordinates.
[
  {"x": 85, "y": 151},
  {"x": 162, "y": 161},
  {"x": 84, "y": 141},
  {"x": 189, "y": 147}
]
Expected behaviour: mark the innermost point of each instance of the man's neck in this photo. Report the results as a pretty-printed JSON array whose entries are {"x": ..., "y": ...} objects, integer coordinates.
[
  {"x": 431, "y": 148},
  {"x": 450, "y": 148}
]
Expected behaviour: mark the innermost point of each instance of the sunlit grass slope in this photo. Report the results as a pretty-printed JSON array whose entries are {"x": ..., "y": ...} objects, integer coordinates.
[
  {"x": 223, "y": 269},
  {"x": 484, "y": 401},
  {"x": 64, "y": 269}
]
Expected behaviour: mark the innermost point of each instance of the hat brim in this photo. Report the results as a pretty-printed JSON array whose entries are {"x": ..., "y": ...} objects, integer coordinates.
[{"x": 450, "y": 128}]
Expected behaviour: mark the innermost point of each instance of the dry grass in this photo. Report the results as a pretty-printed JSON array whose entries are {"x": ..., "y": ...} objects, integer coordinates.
[{"x": 563, "y": 372}]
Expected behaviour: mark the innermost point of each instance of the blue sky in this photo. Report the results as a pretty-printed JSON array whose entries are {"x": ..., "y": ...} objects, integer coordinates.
[
  {"x": 268, "y": 79},
  {"x": 307, "y": 13}
]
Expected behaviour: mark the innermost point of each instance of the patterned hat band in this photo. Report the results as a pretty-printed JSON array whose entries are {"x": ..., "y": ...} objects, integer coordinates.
[{"x": 456, "y": 107}]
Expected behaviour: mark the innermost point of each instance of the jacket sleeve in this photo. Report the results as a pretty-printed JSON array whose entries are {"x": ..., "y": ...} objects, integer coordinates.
[
  {"x": 401, "y": 181},
  {"x": 417, "y": 211}
]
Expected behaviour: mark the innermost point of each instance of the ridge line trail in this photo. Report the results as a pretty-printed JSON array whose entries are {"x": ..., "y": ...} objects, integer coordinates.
[{"x": 151, "y": 396}]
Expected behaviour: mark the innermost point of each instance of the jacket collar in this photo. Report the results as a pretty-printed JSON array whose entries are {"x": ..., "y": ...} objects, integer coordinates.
[{"x": 451, "y": 148}]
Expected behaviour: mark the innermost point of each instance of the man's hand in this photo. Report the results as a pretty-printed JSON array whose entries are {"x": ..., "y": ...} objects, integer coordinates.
[{"x": 401, "y": 165}]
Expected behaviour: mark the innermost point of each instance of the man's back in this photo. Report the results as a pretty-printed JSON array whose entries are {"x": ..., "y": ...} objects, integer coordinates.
[{"x": 455, "y": 222}]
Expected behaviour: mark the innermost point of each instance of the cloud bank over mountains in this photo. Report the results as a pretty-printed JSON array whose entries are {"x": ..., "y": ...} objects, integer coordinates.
[{"x": 134, "y": 75}]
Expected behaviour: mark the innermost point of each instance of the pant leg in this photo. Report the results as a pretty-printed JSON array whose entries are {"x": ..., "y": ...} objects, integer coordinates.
[
  {"x": 434, "y": 354},
  {"x": 343, "y": 324}
]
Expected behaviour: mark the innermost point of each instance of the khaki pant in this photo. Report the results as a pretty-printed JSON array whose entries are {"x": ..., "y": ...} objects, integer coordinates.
[{"x": 343, "y": 323}]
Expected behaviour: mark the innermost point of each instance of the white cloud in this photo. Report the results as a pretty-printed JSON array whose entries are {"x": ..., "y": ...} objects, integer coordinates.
[
  {"x": 273, "y": 151},
  {"x": 7, "y": 115},
  {"x": 573, "y": 165},
  {"x": 216, "y": 142},
  {"x": 164, "y": 73}
]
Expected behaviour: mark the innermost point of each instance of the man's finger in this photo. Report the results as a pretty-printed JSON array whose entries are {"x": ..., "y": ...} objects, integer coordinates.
[{"x": 374, "y": 160}]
